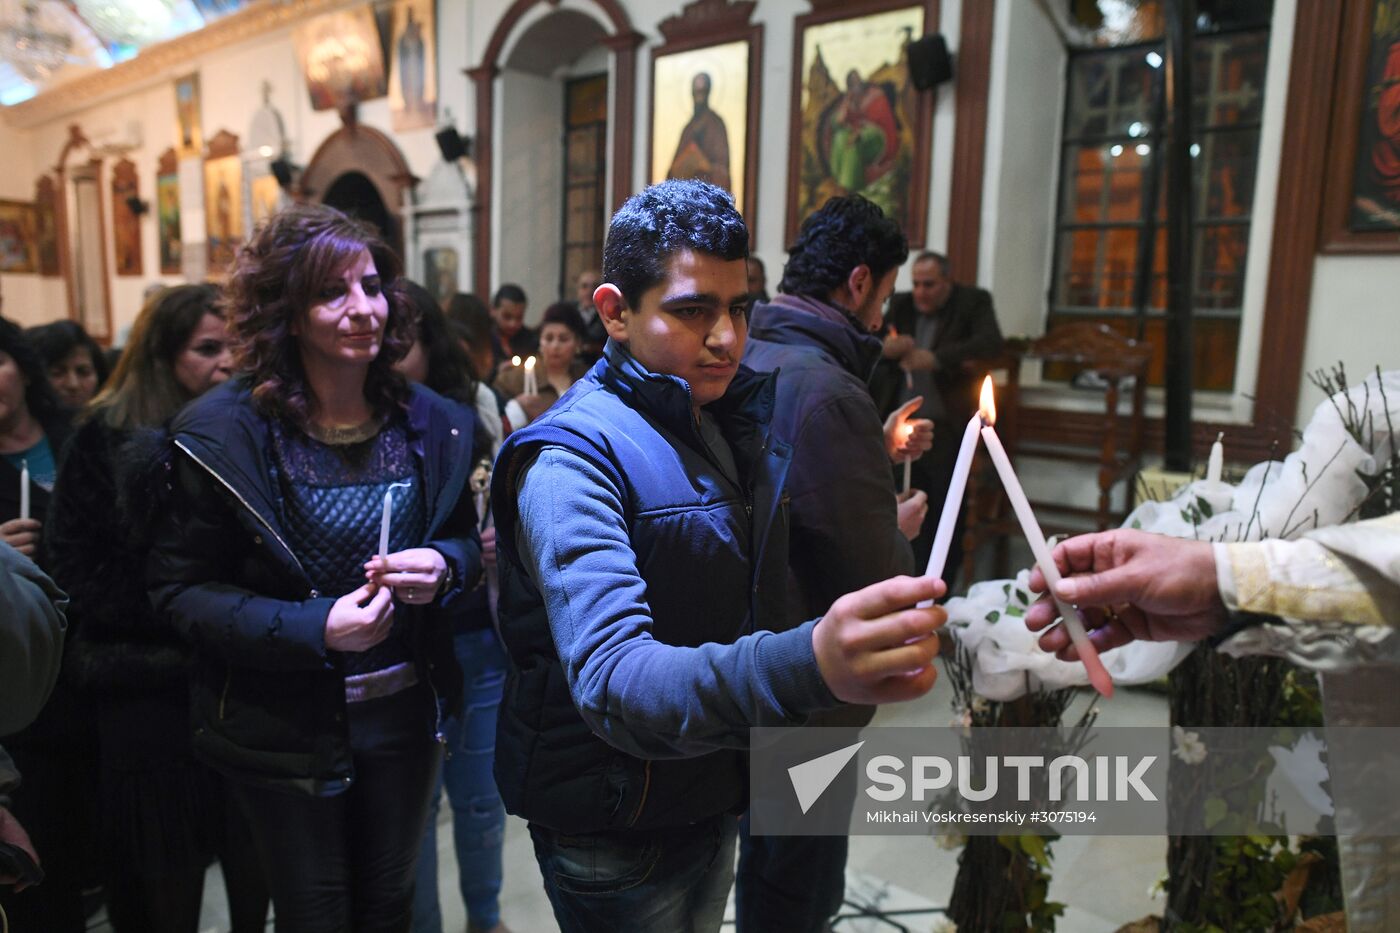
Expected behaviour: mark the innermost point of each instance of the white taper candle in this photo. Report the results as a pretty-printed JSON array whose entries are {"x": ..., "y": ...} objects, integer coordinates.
[
  {"x": 1074, "y": 624},
  {"x": 952, "y": 502},
  {"x": 387, "y": 518},
  {"x": 24, "y": 489},
  {"x": 1215, "y": 467}
]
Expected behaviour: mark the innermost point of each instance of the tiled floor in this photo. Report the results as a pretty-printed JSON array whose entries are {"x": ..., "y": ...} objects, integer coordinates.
[{"x": 1105, "y": 881}]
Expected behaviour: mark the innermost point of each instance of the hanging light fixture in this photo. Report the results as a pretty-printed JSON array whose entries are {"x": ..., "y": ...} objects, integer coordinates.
[
  {"x": 136, "y": 23},
  {"x": 35, "y": 52}
]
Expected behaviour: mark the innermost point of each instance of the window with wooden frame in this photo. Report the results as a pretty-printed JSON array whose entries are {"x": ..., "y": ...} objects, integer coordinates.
[{"x": 1110, "y": 251}]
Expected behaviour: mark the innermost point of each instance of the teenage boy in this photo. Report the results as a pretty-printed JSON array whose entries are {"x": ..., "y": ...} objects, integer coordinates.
[
  {"x": 847, "y": 531},
  {"x": 642, "y": 546}
]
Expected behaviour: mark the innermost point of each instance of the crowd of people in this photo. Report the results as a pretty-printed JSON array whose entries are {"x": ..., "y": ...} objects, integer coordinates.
[
  {"x": 330, "y": 549},
  {"x": 269, "y": 516}
]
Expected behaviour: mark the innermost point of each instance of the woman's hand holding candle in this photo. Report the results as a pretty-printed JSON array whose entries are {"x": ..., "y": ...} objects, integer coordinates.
[
  {"x": 360, "y": 619},
  {"x": 22, "y": 534},
  {"x": 415, "y": 575}
]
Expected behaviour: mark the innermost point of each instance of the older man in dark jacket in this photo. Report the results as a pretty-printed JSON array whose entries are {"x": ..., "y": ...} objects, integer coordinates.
[
  {"x": 936, "y": 331},
  {"x": 846, "y": 529}
]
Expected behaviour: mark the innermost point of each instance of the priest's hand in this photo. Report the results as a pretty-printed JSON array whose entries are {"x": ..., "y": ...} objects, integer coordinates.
[
  {"x": 913, "y": 509},
  {"x": 1131, "y": 585}
]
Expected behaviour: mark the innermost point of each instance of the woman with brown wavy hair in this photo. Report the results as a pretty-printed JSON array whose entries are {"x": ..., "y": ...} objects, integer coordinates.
[{"x": 317, "y": 612}]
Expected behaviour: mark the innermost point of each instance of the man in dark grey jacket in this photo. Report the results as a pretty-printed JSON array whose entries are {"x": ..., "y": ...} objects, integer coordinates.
[{"x": 847, "y": 531}]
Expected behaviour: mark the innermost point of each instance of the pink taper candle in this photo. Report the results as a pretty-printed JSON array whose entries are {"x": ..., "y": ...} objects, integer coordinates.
[{"x": 1073, "y": 622}]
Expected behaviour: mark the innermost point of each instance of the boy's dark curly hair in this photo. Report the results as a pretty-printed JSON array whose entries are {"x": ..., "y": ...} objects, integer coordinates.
[
  {"x": 845, "y": 233},
  {"x": 660, "y": 221},
  {"x": 278, "y": 276}
]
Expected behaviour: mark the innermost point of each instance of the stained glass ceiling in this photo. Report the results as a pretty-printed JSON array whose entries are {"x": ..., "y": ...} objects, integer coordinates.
[{"x": 44, "y": 43}]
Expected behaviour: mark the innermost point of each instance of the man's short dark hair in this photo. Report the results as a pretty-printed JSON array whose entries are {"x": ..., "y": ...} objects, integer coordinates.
[
  {"x": 845, "y": 233},
  {"x": 660, "y": 221},
  {"x": 508, "y": 293},
  {"x": 939, "y": 258}
]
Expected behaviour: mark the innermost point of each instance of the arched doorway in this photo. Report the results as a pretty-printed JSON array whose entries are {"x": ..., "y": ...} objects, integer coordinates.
[
  {"x": 551, "y": 207},
  {"x": 363, "y": 169},
  {"x": 519, "y": 44},
  {"x": 356, "y": 195}
]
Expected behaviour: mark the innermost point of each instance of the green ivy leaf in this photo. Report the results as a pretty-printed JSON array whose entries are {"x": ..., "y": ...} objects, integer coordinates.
[
  {"x": 1034, "y": 846},
  {"x": 1017, "y": 611},
  {"x": 1021, "y": 595},
  {"x": 993, "y": 616},
  {"x": 1204, "y": 506},
  {"x": 1137, "y": 523}
]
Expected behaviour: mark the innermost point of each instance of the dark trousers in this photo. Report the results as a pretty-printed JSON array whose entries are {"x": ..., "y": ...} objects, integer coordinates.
[
  {"x": 345, "y": 863},
  {"x": 55, "y": 805},
  {"x": 790, "y": 883}
]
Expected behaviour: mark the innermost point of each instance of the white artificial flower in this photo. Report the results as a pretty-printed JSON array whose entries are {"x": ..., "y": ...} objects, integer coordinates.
[{"x": 1189, "y": 747}]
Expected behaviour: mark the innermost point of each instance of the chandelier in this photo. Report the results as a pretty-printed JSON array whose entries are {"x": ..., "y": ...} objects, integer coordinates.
[
  {"x": 35, "y": 52},
  {"x": 135, "y": 23}
]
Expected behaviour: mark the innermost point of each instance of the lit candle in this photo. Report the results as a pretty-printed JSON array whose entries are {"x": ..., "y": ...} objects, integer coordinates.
[
  {"x": 531, "y": 387},
  {"x": 387, "y": 519},
  {"x": 1215, "y": 467},
  {"x": 1098, "y": 675},
  {"x": 952, "y": 502},
  {"x": 908, "y": 458},
  {"x": 24, "y": 489}
]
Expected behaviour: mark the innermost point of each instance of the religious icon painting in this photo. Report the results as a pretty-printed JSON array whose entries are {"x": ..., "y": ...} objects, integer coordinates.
[
  {"x": 265, "y": 197},
  {"x": 1375, "y": 203},
  {"x": 413, "y": 74},
  {"x": 440, "y": 273},
  {"x": 341, "y": 58},
  {"x": 705, "y": 100},
  {"x": 858, "y": 124},
  {"x": 126, "y": 218},
  {"x": 168, "y": 222},
  {"x": 188, "y": 136},
  {"x": 46, "y": 225},
  {"x": 17, "y": 240},
  {"x": 223, "y": 209}
]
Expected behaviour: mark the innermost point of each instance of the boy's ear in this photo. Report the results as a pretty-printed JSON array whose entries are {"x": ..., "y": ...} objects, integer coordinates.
[{"x": 610, "y": 304}]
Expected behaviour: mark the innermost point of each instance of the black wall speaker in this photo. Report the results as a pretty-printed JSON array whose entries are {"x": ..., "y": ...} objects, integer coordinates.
[
  {"x": 452, "y": 145},
  {"x": 136, "y": 205},
  {"x": 929, "y": 62},
  {"x": 282, "y": 171}
]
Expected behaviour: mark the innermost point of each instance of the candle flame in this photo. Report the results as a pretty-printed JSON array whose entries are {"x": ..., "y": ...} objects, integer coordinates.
[
  {"x": 988, "y": 405},
  {"x": 515, "y": 361},
  {"x": 530, "y": 363}
]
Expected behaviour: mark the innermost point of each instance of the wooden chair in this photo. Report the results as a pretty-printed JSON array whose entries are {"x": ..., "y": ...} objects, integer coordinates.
[{"x": 1116, "y": 449}]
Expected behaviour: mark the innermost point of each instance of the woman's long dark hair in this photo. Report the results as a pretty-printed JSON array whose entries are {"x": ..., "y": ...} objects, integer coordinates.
[
  {"x": 449, "y": 370},
  {"x": 281, "y": 273},
  {"x": 39, "y": 396},
  {"x": 143, "y": 391}
]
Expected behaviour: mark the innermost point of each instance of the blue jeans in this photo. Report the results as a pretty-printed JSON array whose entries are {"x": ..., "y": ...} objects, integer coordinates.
[
  {"x": 667, "y": 881},
  {"x": 478, "y": 817}
]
